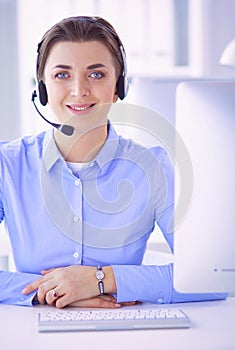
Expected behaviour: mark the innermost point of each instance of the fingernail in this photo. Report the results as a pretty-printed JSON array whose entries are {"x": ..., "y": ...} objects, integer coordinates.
[
  {"x": 117, "y": 305},
  {"x": 24, "y": 291}
]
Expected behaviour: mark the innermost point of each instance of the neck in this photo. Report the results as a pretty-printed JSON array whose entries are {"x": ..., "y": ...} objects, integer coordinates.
[{"x": 81, "y": 147}]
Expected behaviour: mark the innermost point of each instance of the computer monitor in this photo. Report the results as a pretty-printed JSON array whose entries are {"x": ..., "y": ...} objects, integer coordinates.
[{"x": 204, "y": 241}]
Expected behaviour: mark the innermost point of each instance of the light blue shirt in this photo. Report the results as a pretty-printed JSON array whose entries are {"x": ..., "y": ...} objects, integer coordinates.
[{"x": 104, "y": 214}]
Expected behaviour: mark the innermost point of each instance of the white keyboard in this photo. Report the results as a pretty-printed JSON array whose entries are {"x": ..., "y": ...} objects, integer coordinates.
[{"x": 111, "y": 319}]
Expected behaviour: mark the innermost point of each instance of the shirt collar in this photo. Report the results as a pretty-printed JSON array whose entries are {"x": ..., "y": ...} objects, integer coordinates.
[
  {"x": 109, "y": 149},
  {"x": 51, "y": 153}
]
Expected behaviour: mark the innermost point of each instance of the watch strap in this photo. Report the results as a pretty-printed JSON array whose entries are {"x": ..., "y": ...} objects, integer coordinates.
[
  {"x": 100, "y": 276},
  {"x": 101, "y": 287}
]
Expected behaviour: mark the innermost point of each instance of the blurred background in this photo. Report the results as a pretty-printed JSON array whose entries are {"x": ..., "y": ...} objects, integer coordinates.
[{"x": 166, "y": 42}]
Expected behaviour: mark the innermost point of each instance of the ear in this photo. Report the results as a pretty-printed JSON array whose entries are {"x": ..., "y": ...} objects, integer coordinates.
[{"x": 115, "y": 97}]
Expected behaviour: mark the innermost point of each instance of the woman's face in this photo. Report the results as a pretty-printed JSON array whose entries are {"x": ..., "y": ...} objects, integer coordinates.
[{"x": 79, "y": 77}]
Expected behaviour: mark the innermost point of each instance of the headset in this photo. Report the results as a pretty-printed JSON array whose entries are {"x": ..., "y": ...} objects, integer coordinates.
[{"x": 121, "y": 86}]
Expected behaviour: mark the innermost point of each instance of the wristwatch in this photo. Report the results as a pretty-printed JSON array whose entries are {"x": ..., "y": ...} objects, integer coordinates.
[{"x": 100, "y": 276}]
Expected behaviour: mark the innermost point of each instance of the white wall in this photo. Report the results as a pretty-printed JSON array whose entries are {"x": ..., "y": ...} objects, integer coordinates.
[
  {"x": 211, "y": 27},
  {"x": 9, "y": 96}
]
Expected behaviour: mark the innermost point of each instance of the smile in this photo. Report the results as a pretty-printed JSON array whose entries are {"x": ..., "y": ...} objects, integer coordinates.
[{"x": 80, "y": 108}]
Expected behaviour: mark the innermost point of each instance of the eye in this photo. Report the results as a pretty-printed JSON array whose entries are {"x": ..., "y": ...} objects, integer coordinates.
[
  {"x": 62, "y": 75},
  {"x": 97, "y": 75}
]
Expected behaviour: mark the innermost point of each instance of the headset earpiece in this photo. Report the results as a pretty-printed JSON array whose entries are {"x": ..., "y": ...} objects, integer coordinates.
[
  {"x": 122, "y": 83},
  {"x": 121, "y": 90},
  {"x": 42, "y": 93}
]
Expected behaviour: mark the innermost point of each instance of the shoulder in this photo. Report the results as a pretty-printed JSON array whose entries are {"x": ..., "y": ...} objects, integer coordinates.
[
  {"x": 22, "y": 146},
  {"x": 155, "y": 161},
  {"x": 161, "y": 155},
  {"x": 26, "y": 142},
  {"x": 130, "y": 147}
]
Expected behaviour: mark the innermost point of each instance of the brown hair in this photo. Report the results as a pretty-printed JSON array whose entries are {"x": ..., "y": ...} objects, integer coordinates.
[{"x": 82, "y": 29}]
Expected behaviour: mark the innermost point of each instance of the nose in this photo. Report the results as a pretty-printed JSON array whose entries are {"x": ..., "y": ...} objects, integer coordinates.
[{"x": 79, "y": 87}]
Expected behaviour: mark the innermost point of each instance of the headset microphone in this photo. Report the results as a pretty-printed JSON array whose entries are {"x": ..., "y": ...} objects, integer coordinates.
[{"x": 65, "y": 129}]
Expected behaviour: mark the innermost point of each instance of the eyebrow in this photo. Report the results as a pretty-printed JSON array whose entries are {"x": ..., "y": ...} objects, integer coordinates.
[
  {"x": 96, "y": 65},
  {"x": 63, "y": 66},
  {"x": 92, "y": 66}
]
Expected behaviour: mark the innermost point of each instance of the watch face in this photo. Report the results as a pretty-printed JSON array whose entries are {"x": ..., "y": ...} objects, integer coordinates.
[{"x": 99, "y": 275}]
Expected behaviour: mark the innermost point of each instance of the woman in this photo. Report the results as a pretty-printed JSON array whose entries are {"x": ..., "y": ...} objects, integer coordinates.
[{"x": 79, "y": 201}]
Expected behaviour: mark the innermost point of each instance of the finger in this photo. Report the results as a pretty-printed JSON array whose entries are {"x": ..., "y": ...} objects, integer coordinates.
[
  {"x": 51, "y": 296},
  {"x": 32, "y": 286},
  {"x": 45, "y": 272},
  {"x": 108, "y": 297},
  {"x": 43, "y": 289},
  {"x": 93, "y": 303}
]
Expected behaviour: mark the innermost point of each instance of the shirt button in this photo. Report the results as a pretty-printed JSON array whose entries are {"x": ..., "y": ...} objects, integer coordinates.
[
  {"x": 77, "y": 182},
  {"x": 75, "y": 218},
  {"x": 91, "y": 164},
  {"x": 76, "y": 255},
  {"x": 160, "y": 300}
]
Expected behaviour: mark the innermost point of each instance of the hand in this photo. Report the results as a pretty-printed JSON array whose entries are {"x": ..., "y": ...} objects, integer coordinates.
[
  {"x": 66, "y": 285},
  {"x": 103, "y": 301},
  {"x": 106, "y": 301}
]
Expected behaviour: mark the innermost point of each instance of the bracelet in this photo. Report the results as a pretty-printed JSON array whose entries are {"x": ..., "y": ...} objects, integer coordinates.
[{"x": 100, "y": 276}]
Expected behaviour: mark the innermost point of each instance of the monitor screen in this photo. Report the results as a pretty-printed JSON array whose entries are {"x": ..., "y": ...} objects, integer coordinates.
[{"x": 204, "y": 239}]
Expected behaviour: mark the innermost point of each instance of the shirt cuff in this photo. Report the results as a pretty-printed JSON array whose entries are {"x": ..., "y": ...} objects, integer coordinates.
[{"x": 143, "y": 283}]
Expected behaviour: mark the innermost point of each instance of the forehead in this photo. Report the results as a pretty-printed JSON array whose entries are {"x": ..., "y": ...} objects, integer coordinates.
[{"x": 86, "y": 53}]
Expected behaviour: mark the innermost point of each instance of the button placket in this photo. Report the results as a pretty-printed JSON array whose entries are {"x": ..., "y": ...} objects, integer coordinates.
[{"x": 76, "y": 200}]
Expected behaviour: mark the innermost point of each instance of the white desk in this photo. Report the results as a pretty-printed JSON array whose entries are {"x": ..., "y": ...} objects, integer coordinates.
[{"x": 213, "y": 328}]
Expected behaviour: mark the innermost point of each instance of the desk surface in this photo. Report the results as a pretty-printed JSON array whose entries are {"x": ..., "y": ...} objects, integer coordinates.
[{"x": 213, "y": 328}]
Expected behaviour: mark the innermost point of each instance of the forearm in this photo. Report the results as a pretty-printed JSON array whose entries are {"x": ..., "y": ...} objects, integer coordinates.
[{"x": 11, "y": 285}]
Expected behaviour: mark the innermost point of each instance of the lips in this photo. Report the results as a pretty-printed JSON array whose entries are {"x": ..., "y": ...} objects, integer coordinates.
[{"x": 76, "y": 108}]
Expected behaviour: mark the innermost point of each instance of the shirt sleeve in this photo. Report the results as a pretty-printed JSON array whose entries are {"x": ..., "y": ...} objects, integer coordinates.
[
  {"x": 12, "y": 284},
  {"x": 164, "y": 218},
  {"x": 1, "y": 204},
  {"x": 155, "y": 283}
]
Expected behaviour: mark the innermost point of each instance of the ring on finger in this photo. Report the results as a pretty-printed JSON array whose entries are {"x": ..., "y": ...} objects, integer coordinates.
[{"x": 54, "y": 293}]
